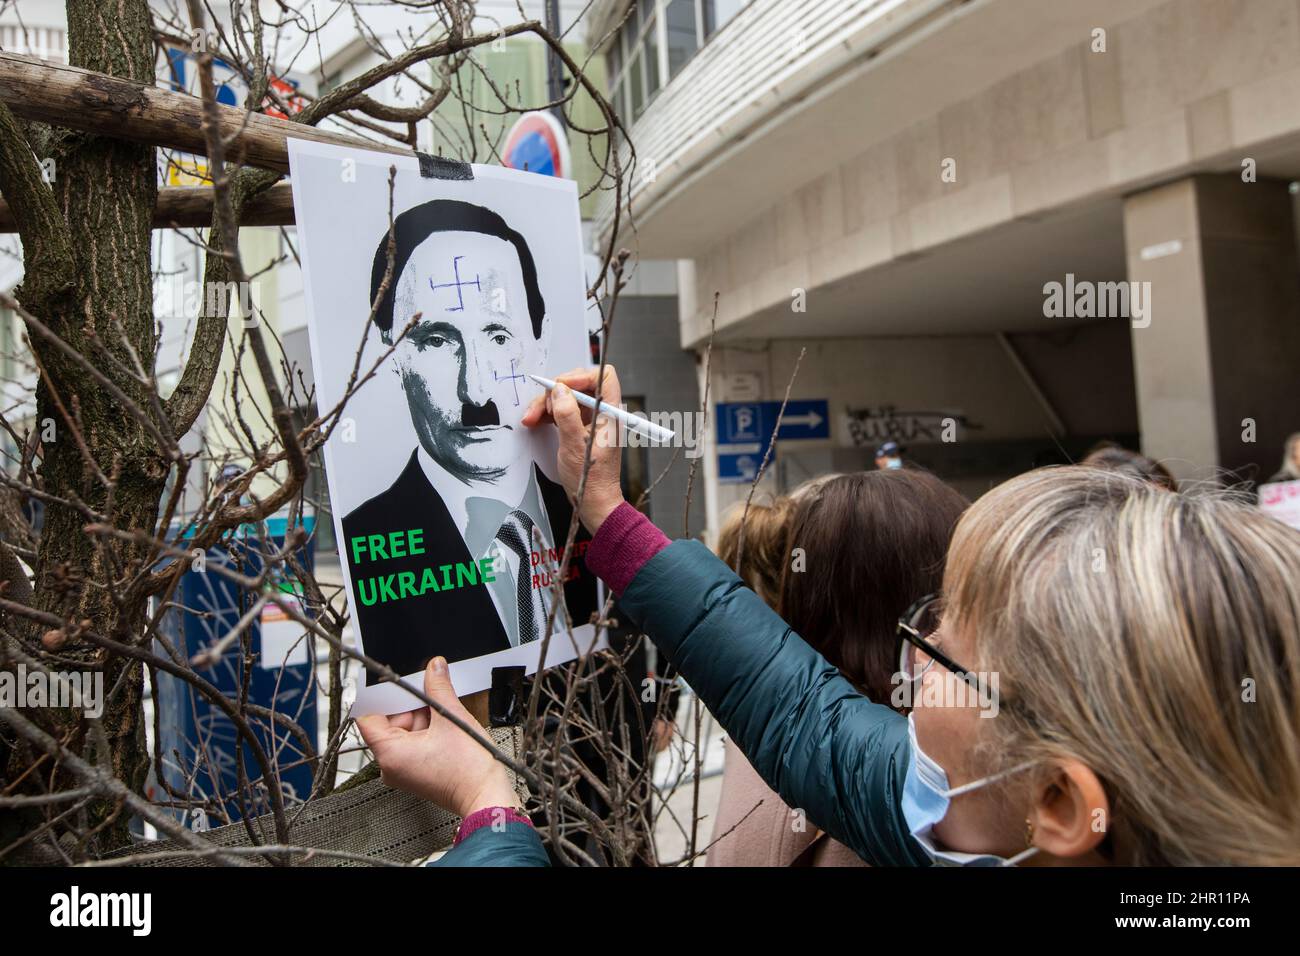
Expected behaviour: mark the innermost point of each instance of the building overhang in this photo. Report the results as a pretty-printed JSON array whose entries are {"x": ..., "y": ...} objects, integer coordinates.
[{"x": 869, "y": 78}]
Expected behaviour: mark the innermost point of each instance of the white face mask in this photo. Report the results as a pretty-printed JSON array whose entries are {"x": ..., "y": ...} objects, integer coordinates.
[{"x": 926, "y": 796}]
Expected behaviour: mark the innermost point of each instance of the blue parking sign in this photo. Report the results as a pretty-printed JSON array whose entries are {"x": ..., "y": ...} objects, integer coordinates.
[
  {"x": 745, "y": 430},
  {"x": 742, "y": 422}
]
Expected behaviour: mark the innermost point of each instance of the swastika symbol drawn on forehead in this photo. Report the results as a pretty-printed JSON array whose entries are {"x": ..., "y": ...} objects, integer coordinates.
[{"x": 457, "y": 285}]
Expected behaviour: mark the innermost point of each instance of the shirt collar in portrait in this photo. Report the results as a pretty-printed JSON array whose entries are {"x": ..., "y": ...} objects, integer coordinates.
[{"x": 476, "y": 514}]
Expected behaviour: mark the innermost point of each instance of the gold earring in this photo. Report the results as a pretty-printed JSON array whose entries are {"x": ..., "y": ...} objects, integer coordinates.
[{"x": 1029, "y": 832}]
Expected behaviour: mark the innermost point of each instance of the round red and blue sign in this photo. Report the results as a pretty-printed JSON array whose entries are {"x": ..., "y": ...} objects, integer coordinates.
[{"x": 538, "y": 143}]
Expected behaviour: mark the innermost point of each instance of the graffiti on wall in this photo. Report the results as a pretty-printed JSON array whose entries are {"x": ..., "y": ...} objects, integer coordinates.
[{"x": 870, "y": 426}]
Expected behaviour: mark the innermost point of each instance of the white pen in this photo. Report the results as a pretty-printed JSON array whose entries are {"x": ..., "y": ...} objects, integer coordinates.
[{"x": 637, "y": 423}]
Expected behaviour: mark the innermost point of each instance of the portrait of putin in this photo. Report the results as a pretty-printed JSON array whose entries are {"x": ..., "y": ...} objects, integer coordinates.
[{"x": 445, "y": 561}]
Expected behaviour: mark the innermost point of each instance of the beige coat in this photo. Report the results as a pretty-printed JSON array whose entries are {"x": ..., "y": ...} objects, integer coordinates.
[{"x": 767, "y": 836}]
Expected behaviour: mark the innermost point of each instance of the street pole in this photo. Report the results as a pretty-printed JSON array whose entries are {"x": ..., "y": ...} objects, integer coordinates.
[{"x": 554, "y": 70}]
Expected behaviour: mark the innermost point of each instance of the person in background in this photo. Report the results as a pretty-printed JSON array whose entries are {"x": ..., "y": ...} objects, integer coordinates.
[
  {"x": 743, "y": 835},
  {"x": 889, "y": 456},
  {"x": 1112, "y": 457},
  {"x": 758, "y": 554},
  {"x": 856, "y": 551},
  {"x": 813, "y": 485},
  {"x": 1123, "y": 732},
  {"x": 1290, "y": 470}
]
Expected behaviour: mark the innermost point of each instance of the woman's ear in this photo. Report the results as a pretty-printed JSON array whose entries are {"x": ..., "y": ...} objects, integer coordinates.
[{"x": 1071, "y": 813}]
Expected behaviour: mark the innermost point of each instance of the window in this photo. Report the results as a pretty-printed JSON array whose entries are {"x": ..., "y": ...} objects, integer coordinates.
[
  {"x": 627, "y": 40},
  {"x": 651, "y": 60},
  {"x": 641, "y": 59},
  {"x": 718, "y": 12},
  {"x": 621, "y": 101},
  {"x": 634, "y": 60},
  {"x": 615, "y": 62},
  {"x": 635, "y": 88},
  {"x": 683, "y": 40}
]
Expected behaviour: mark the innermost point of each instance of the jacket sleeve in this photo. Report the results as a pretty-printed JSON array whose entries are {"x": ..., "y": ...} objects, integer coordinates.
[
  {"x": 816, "y": 741},
  {"x": 517, "y": 844}
]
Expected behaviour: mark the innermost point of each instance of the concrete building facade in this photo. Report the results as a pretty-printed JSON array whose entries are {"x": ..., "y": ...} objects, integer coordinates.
[{"x": 1050, "y": 222}]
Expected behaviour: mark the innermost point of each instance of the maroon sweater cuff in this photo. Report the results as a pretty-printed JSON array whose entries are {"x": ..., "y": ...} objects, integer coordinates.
[
  {"x": 624, "y": 543},
  {"x": 489, "y": 817}
]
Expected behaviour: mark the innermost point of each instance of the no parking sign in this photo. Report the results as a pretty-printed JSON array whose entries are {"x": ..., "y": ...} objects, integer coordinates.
[{"x": 538, "y": 143}]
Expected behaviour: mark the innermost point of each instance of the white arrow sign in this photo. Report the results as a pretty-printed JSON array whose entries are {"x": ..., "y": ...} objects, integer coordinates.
[{"x": 812, "y": 420}]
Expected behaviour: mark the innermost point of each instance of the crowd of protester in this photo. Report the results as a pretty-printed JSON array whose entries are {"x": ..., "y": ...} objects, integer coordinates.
[{"x": 1085, "y": 666}]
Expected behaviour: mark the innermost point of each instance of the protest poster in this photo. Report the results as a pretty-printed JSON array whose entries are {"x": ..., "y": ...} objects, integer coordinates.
[{"x": 449, "y": 517}]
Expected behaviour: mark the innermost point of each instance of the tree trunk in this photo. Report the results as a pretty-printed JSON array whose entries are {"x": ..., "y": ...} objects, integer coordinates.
[{"x": 106, "y": 191}]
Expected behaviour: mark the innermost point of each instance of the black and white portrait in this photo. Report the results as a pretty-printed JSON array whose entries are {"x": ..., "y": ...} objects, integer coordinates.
[{"x": 450, "y": 530}]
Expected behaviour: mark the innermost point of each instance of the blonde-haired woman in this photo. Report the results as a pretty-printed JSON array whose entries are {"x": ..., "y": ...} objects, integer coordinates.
[
  {"x": 752, "y": 543},
  {"x": 1111, "y": 676},
  {"x": 1149, "y": 652}
]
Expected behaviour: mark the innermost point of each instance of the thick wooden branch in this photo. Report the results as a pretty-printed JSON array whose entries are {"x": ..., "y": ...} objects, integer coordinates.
[
  {"x": 247, "y": 186},
  {"x": 398, "y": 114},
  {"x": 109, "y": 106},
  {"x": 190, "y": 207},
  {"x": 37, "y": 218}
]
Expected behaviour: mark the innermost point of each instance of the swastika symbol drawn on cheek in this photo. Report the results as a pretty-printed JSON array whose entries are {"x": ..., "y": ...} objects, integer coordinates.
[{"x": 514, "y": 378}]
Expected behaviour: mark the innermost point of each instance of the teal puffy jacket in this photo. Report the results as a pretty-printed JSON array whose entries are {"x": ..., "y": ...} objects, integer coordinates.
[{"x": 817, "y": 742}]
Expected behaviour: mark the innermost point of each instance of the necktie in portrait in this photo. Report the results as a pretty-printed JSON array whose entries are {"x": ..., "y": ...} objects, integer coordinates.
[{"x": 516, "y": 533}]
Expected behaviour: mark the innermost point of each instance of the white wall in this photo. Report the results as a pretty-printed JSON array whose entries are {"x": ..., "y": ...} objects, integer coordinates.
[{"x": 1086, "y": 373}]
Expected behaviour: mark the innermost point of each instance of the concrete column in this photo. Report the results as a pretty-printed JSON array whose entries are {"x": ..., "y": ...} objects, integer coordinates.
[{"x": 1222, "y": 348}]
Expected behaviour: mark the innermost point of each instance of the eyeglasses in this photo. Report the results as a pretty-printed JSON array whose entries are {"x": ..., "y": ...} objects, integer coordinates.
[{"x": 917, "y": 654}]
